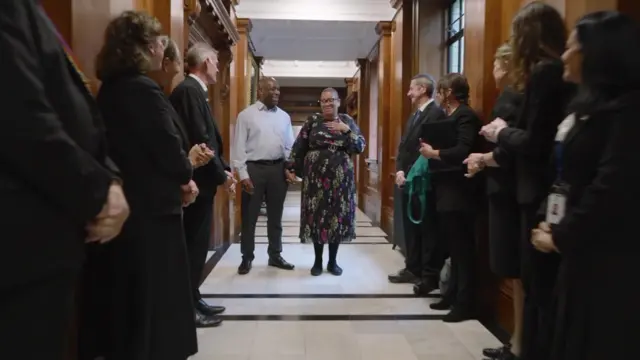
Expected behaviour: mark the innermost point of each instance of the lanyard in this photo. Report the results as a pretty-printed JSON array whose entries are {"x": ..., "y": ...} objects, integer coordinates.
[{"x": 558, "y": 151}]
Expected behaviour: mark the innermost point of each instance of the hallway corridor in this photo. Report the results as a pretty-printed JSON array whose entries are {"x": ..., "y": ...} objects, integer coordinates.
[{"x": 289, "y": 315}]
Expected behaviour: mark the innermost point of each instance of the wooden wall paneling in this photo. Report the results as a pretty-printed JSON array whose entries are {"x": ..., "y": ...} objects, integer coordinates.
[
  {"x": 630, "y": 7},
  {"x": 364, "y": 96},
  {"x": 385, "y": 79},
  {"x": 239, "y": 95},
  {"x": 429, "y": 33},
  {"x": 397, "y": 107},
  {"x": 372, "y": 203},
  {"x": 171, "y": 14}
]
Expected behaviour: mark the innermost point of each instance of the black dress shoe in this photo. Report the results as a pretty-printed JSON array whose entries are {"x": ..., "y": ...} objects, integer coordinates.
[
  {"x": 280, "y": 263},
  {"x": 316, "y": 270},
  {"x": 442, "y": 305},
  {"x": 334, "y": 269},
  {"x": 245, "y": 267},
  {"x": 495, "y": 353},
  {"x": 204, "y": 321},
  {"x": 209, "y": 310},
  {"x": 458, "y": 314},
  {"x": 424, "y": 287},
  {"x": 403, "y": 276}
]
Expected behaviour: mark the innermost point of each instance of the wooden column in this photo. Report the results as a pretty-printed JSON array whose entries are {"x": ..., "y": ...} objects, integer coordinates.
[
  {"x": 240, "y": 77},
  {"x": 364, "y": 92},
  {"x": 82, "y": 23},
  {"x": 385, "y": 164}
]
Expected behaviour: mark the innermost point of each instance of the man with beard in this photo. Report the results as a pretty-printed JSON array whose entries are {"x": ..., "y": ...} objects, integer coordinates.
[{"x": 263, "y": 141}]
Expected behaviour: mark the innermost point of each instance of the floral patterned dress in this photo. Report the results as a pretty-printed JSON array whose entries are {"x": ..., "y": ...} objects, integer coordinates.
[{"x": 323, "y": 159}]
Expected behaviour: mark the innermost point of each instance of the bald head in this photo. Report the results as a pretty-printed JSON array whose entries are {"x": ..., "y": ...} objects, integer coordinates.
[{"x": 269, "y": 91}]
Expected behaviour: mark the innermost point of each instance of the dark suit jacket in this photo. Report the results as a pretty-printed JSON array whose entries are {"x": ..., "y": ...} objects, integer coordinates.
[
  {"x": 55, "y": 173},
  {"x": 145, "y": 143},
  {"x": 530, "y": 141},
  {"x": 190, "y": 101},
  {"x": 408, "y": 149},
  {"x": 454, "y": 192},
  {"x": 598, "y": 236},
  {"x": 502, "y": 180}
]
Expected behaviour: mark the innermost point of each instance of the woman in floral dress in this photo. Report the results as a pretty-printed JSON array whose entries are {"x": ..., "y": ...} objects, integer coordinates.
[{"x": 322, "y": 157}]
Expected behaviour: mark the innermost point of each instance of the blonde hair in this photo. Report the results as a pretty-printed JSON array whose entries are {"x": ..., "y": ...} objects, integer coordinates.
[{"x": 503, "y": 53}]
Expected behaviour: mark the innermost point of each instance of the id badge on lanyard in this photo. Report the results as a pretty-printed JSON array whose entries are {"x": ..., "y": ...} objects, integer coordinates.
[{"x": 557, "y": 199}]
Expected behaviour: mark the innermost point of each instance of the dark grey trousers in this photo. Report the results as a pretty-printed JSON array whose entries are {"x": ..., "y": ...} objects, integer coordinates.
[{"x": 269, "y": 184}]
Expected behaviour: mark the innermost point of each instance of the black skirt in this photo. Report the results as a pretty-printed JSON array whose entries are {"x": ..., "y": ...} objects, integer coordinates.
[{"x": 504, "y": 235}]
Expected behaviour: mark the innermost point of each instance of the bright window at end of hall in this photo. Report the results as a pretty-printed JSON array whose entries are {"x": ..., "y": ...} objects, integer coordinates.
[{"x": 455, "y": 37}]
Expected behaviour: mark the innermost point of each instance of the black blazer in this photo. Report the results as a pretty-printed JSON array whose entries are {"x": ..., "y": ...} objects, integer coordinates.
[
  {"x": 454, "y": 192},
  {"x": 190, "y": 101},
  {"x": 145, "y": 143},
  {"x": 408, "y": 149},
  {"x": 502, "y": 180},
  {"x": 54, "y": 172},
  {"x": 530, "y": 141}
]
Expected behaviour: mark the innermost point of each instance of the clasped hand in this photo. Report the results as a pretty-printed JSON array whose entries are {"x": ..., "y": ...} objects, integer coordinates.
[
  {"x": 427, "y": 150},
  {"x": 108, "y": 223},
  {"x": 491, "y": 130},
  {"x": 475, "y": 164},
  {"x": 542, "y": 239},
  {"x": 200, "y": 155},
  {"x": 189, "y": 193}
]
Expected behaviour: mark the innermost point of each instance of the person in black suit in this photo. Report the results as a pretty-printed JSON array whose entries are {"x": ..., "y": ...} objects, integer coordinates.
[
  {"x": 423, "y": 260},
  {"x": 190, "y": 99},
  {"x": 455, "y": 196},
  {"x": 199, "y": 154},
  {"x": 152, "y": 311},
  {"x": 537, "y": 72},
  {"x": 596, "y": 161},
  {"x": 504, "y": 217},
  {"x": 58, "y": 189}
]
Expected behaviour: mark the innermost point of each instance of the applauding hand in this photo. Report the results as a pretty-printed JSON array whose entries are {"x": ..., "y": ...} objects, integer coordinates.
[
  {"x": 475, "y": 163},
  {"x": 108, "y": 224},
  {"x": 542, "y": 239},
  {"x": 200, "y": 155}
]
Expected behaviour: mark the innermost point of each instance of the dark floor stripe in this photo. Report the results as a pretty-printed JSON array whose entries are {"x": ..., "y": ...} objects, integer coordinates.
[
  {"x": 315, "y": 296},
  {"x": 331, "y": 317},
  {"x": 214, "y": 259}
]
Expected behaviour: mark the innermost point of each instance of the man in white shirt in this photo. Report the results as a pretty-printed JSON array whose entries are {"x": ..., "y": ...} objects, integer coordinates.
[{"x": 263, "y": 141}]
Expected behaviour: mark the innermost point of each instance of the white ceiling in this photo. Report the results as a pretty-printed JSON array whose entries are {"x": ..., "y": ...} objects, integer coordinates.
[
  {"x": 328, "y": 10},
  {"x": 313, "y": 40},
  {"x": 324, "y": 38}
]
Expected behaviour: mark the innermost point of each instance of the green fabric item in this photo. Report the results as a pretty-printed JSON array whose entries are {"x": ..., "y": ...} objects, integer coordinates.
[{"x": 418, "y": 182}]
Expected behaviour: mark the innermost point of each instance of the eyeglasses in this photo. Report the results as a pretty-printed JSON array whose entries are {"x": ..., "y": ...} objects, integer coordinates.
[{"x": 327, "y": 101}]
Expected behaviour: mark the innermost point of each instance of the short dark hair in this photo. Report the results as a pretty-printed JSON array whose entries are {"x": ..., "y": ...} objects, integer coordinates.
[
  {"x": 458, "y": 85},
  {"x": 427, "y": 81},
  {"x": 610, "y": 57},
  {"x": 126, "y": 42}
]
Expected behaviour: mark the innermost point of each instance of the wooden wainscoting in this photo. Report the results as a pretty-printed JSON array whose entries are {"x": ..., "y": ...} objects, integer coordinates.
[{"x": 372, "y": 204}]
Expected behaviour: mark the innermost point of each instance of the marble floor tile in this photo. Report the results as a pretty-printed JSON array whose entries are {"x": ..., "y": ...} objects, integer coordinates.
[
  {"x": 327, "y": 306},
  {"x": 365, "y": 272}
]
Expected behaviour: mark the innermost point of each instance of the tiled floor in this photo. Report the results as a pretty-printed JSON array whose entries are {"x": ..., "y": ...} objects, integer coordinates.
[{"x": 290, "y": 315}]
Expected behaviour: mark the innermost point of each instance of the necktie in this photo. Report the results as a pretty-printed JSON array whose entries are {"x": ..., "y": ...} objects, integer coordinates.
[
  {"x": 67, "y": 51},
  {"x": 415, "y": 118}
]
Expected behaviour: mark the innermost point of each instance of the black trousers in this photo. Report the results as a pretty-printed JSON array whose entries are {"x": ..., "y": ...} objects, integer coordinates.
[
  {"x": 271, "y": 186},
  {"x": 35, "y": 318},
  {"x": 539, "y": 273},
  {"x": 458, "y": 233},
  {"x": 198, "y": 219},
  {"x": 424, "y": 254}
]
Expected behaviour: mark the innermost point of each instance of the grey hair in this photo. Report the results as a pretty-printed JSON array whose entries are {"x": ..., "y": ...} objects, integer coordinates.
[
  {"x": 333, "y": 91},
  {"x": 427, "y": 81},
  {"x": 198, "y": 54}
]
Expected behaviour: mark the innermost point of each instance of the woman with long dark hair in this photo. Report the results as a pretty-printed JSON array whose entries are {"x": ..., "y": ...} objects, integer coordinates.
[
  {"x": 446, "y": 143},
  {"x": 152, "y": 314},
  {"x": 596, "y": 191},
  {"x": 538, "y": 41}
]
